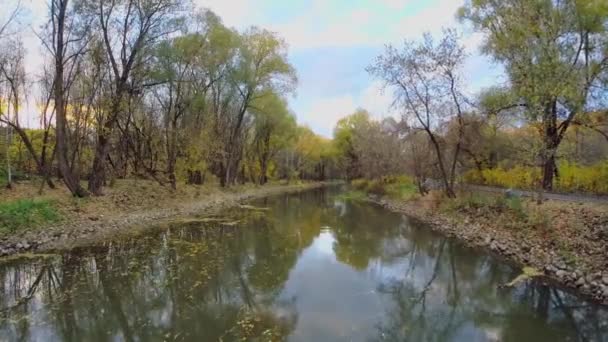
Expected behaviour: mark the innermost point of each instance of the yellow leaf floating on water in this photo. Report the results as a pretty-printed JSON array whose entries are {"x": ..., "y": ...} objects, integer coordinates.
[{"x": 527, "y": 273}]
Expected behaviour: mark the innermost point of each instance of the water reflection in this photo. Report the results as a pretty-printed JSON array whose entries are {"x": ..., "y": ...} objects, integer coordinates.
[{"x": 312, "y": 268}]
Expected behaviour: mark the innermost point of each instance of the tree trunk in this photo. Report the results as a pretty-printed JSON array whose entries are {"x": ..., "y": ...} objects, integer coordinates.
[
  {"x": 97, "y": 176},
  {"x": 549, "y": 170},
  {"x": 264, "y": 160},
  {"x": 551, "y": 142},
  {"x": 263, "y": 171},
  {"x": 446, "y": 183},
  {"x": 172, "y": 153},
  {"x": 71, "y": 181},
  {"x": 102, "y": 148}
]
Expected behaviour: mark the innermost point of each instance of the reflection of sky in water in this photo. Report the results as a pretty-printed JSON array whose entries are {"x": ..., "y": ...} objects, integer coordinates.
[
  {"x": 332, "y": 298},
  {"x": 335, "y": 300}
]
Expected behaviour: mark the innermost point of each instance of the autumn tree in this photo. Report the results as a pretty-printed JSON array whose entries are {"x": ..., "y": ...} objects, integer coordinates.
[
  {"x": 556, "y": 56},
  {"x": 274, "y": 129},
  {"x": 426, "y": 83},
  {"x": 344, "y": 137},
  {"x": 379, "y": 148},
  {"x": 261, "y": 67}
]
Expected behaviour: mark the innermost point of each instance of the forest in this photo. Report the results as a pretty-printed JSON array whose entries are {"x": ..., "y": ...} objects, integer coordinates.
[{"x": 162, "y": 91}]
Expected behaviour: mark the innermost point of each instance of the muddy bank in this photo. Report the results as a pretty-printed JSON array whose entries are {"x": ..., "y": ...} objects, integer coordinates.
[
  {"x": 576, "y": 260},
  {"x": 83, "y": 228}
]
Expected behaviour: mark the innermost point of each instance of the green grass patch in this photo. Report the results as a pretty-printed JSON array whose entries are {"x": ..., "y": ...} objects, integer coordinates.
[
  {"x": 354, "y": 195},
  {"x": 26, "y": 213}
]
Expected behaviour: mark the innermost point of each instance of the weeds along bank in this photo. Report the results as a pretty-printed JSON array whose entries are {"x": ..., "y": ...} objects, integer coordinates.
[
  {"x": 57, "y": 220},
  {"x": 565, "y": 240}
]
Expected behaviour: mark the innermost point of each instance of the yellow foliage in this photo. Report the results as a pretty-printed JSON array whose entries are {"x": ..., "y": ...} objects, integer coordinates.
[{"x": 572, "y": 177}]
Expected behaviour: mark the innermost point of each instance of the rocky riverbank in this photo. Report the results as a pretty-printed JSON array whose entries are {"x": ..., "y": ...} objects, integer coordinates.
[
  {"x": 572, "y": 250},
  {"x": 131, "y": 210}
]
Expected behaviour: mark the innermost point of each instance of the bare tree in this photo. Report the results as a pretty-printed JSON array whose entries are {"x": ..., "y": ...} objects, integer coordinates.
[
  {"x": 12, "y": 72},
  {"x": 424, "y": 77},
  {"x": 128, "y": 29},
  {"x": 67, "y": 46}
]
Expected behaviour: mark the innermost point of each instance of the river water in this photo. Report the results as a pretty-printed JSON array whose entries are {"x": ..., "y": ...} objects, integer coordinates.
[{"x": 300, "y": 267}]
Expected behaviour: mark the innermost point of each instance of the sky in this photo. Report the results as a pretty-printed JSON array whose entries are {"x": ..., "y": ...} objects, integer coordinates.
[{"x": 331, "y": 42}]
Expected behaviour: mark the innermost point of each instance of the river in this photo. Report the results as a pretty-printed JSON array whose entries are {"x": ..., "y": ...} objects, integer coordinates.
[{"x": 301, "y": 267}]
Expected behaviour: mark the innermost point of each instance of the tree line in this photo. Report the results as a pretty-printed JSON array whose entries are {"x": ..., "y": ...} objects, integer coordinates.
[
  {"x": 159, "y": 90},
  {"x": 155, "y": 89},
  {"x": 551, "y": 110}
]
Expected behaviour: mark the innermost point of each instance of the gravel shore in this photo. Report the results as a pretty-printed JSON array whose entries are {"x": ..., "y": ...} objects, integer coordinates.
[
  {"x": 587, "y": 275},
  {"x": 82, "y": 229}
]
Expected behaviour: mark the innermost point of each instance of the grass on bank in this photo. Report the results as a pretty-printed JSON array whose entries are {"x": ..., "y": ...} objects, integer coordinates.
[
  {"x": 513, "y": 212},
  {"x": 26, "y": 213}
]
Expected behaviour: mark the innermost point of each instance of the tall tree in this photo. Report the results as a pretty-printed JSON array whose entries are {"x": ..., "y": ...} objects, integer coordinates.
[
  {"x": 262, "y": 66},
  {"x": 274, "y": 127},
  {"x": 129, "y": 28},
  {"x": 344, "y": 136},
  {"x": 67, "y": 45},
  {"x": 556, "y": 56}
]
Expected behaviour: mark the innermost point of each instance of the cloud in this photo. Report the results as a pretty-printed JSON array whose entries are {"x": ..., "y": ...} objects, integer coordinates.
[
  {"x": 323, "y": 114},
  {"x": 378, "y": 101},
  {"x": 234, "y": 13}
]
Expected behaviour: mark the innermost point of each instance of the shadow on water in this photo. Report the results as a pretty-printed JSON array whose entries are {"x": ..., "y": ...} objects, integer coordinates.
[{"x": 310, "y": 268}]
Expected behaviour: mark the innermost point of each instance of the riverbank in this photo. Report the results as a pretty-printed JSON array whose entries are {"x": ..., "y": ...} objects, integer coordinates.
[
  {"x": 566, "y": 241},
  {"x": 127, "y": 207}
]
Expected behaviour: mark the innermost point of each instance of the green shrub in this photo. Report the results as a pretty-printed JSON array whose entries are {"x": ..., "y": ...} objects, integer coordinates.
[
  {"x": 516, "y": 205},
  {"x": 26, "y": 213}
]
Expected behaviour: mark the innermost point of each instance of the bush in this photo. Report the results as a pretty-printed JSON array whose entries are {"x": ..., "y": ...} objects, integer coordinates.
[{"x": 26, "y": 213}]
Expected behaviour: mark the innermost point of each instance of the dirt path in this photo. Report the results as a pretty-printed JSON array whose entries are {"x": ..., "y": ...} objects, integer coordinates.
[{"x": 586, "y": 198}]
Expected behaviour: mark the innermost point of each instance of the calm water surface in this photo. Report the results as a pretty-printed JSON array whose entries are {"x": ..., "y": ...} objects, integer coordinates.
[{"x": 311, "y": 267}]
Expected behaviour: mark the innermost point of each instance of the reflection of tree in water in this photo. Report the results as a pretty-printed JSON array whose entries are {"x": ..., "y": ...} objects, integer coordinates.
[
  {"x": 357, "y": 242},
  {"x": 212, "y": 282},
  {"x": 188, "y": 283},
  {"x": 181, "y": 286},
  {"x": 455, "y": 301}
]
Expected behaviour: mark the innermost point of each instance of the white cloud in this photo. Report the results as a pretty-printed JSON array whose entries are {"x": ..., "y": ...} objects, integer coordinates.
[
  {"x": 234, "y": 13},
  {"x": 431, "y": 19},
  {"x": 394, "y": 4},
  {"x": 378, "y": 101},
  {"x": 324, "y": 113}
]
